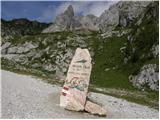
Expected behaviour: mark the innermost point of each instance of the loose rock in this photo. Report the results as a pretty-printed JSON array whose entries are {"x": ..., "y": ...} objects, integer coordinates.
[{"x": 94, "y": 109}]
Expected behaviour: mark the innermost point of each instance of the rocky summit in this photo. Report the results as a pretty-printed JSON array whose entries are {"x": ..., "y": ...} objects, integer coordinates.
[
  {"x": 67, "y": 21},
  {"x": 122, "y": 14},
  {"x": 62, "y": 21},
  {"x": 123, "y": 43}
]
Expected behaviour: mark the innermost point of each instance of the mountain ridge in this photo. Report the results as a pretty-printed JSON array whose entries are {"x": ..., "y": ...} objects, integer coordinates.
[
  {"x": 20, "y": 27},
  {"x": 118, "y": 14}
]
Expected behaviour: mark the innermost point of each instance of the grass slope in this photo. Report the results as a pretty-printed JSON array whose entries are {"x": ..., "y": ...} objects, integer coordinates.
[{"x": 107, "y": 55}]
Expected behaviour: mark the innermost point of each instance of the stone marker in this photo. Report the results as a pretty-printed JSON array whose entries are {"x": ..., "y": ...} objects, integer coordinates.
[
  {"x": 74, "y": 92},
  {"x": 94, "y": 108}
]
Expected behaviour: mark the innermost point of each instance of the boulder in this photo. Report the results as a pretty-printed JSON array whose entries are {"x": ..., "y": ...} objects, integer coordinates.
[
  {"x": 19, "y": 49},
  {"x": 12, "y": 50},
  {"x": 74, "y": 92},
  {"x": 94, "y": 108},
  {"x": 5, "y": 45},
  {"x": 155, "y": 50},
  {"x": 26, "y": 47}
]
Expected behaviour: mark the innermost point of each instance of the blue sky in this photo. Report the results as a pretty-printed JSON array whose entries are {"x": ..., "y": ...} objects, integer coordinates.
[{"x": 46, "y": 11}]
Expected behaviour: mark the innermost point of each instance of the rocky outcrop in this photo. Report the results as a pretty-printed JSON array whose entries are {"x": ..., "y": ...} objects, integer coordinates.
[
  {"x": 155, "y": 50},
  {"x": 67, "y": 21},
  {"x": 86, "y": 22},
  {"x": 120, "y": 14},
  {"x": 4, "y": 47},
  {"x": 109, "y": 19},
  {"x": 51, "y": 53},
  {"x": 62, "y": 21},
  {"x": 148, "y": 76},
  {"x": 21, "y": 48}
]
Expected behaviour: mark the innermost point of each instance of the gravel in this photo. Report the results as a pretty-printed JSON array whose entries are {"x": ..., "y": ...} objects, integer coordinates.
[{"x": 28, "y": 97}]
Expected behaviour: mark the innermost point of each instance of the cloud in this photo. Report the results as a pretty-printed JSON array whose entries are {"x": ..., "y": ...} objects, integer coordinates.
[
  {"x": 48, "y": 14},
  {"x": 98, "y": 8}
]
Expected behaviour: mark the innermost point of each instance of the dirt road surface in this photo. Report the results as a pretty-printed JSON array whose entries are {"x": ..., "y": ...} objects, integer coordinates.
[{"x": 28, "y": 97}]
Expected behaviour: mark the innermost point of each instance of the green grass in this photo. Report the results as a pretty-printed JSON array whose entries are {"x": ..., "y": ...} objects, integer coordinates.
[
  {"x": 110, "y": 57},
  {"x": 116, "y": 77},
  {"x": 111, "y": 79}
]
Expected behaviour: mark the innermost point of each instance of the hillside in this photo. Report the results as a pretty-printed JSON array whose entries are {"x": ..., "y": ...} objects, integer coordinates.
[
  {"x": 125, "y": 58},
  {"x": 20, "y": 27}
]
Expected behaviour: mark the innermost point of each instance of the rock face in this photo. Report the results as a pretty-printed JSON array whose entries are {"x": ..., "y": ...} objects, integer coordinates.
[
  {"x": 74, "y": 92},
  {"x": 21, "y": 49},
  {"x": 94, "y": 109},
  {"x": 148, "y": 76},
  {"x": 62, "y": 21},
  {"x": 88, "y": 22},
  {"x": 109, "y": 18},
  {"x": 120, "y": 14},
  {"x": 4, "y": 47},
  {"x": 67, "y": 21},
  {"x": 155, "y": 50}
]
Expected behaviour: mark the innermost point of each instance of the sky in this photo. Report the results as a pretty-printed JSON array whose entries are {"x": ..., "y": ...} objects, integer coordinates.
[{"x": 46, "y": 11}]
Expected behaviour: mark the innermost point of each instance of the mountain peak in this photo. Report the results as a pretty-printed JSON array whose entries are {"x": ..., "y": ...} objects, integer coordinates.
[
  {"x": 70, "y": 7},
  {"x": 69, "y": 11}
]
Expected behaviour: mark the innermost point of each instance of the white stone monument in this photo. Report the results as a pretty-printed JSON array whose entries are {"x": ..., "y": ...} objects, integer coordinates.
[{"x": 74, "y": 92}]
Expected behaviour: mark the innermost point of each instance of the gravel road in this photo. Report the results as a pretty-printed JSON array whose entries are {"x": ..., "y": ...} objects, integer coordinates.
[{"x": 28, "y": 97}]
